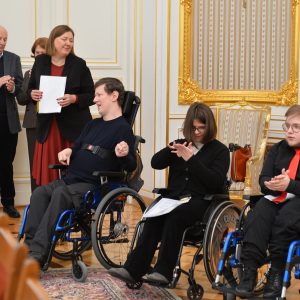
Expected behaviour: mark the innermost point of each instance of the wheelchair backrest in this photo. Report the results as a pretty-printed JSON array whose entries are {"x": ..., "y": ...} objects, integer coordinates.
[{"x": 130, "y": 106}]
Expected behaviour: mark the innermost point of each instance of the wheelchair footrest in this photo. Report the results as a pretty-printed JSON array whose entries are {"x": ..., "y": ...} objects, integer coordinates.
[
  {"x": 229, "y": 290},
  {"x": 223, "y": 288}
]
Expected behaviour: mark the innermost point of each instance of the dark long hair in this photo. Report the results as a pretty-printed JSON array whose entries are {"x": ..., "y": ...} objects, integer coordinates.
[{"x": 202, "y": 113}]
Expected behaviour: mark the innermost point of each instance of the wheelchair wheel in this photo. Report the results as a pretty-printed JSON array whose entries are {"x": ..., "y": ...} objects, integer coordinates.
[
  {"x": 114, "y": 225},
  {"x": 63, "y": 248},
  {"x": 222, "y": 221},
  {"x": 195, "y": 292},
  {"x": 79, "y": 271}
]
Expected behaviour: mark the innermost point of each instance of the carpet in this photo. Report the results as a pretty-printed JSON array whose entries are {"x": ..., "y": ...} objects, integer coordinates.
[{"x": 59, "y": 284}]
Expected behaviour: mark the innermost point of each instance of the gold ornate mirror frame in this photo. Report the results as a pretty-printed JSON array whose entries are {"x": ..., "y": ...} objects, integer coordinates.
[{"x": 189, "y": 89}]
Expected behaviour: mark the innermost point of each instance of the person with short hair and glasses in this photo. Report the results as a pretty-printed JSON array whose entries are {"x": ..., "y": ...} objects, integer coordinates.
[{"x": 275, "y": 220}]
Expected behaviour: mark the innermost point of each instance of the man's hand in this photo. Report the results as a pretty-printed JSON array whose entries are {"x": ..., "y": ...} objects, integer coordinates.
[
  {"x": 4, "y": 80},
  {"x": 64, "y": 156},
  {"x": 10, "y": 85},
  {"x": 121, "y": 149},
  {"x": 66, "y": 100},
  {"x": 279, "y": 182},
  {"x": 184, "y": 150}
]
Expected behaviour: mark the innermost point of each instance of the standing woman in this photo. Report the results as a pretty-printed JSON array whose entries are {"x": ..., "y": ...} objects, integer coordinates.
[
  {"x": 57, "y": 131},
  {"x": 197, "y": 166},
  {"x": 29, "y": 122}
]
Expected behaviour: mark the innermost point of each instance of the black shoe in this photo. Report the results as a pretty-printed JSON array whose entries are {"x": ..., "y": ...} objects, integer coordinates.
[
  {"x": 156, "y": 277},
  {"x": 122, "y": 274},
  {"x": 11, "y": 211},
  {"x": 247, "y": 284},
  {"x": 38, "y": 257},
  {"x": 273, "y": 286}
]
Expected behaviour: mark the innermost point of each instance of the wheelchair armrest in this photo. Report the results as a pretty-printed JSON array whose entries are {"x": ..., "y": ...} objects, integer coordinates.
[
  {"x": 109, "y": 174},
  {"x": 252, "y": 198},
  {"x": 57, "y": 167},
  {"x": 160, "y": 191},
  {"x": 212, "y": 197},
  {"x": 140, "y": 139}
]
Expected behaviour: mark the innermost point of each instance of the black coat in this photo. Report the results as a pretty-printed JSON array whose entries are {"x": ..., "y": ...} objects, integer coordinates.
[
  {"x": 72, "y": 118},
  {"x": 204, "y": 173}
]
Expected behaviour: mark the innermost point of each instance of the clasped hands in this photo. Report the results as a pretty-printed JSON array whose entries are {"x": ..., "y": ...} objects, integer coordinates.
[
  {"x": 9, "y": 82},
  {"x": 279, "y": 182},
  {"x": 184, "y": 150}
]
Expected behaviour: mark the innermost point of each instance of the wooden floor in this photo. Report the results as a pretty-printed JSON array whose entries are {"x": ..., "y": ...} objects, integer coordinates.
[{"x": 90, "y": 260}]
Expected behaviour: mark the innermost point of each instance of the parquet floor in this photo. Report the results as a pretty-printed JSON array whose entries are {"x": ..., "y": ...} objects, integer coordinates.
[{"x": 91, "y": 260}]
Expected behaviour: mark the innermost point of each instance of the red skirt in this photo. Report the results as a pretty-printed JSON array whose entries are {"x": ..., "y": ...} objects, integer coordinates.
[{"x": 46, "y": 153}]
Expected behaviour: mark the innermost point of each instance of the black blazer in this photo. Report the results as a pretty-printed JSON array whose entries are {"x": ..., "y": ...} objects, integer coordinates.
[
  {"x": 72, "y": 118},
  {"x": 30, "y": 111},
  {"x": 204, "y": 173},
  {"x": 12, "y": 67}
]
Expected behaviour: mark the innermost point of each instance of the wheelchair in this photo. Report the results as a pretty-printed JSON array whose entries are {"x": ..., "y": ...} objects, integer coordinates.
[
  {"x": 207, "y": 237},
  {"x": 230, "y": 267},
  {"x": 114, "y": 223}
]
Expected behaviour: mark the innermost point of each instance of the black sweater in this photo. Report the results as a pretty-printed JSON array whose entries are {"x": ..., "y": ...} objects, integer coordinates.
[
  {"x": 278, "y": 158},
  {"x": 106, "y": 134},
  {"x": 204, "y": 173}
]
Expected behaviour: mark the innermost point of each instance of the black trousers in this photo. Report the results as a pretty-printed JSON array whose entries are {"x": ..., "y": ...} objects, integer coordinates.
[
  {"x": 46, "y": 204},
  {"x": 167, "y": 229},
  {"x": 31, "y": 138},
  {"x": 270, "y": 226},
  {"x": 7, "y": 156}
]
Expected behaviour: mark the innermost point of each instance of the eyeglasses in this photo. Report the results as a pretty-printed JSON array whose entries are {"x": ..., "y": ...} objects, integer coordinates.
[
  {"x": 295, "y": 127},
  {"x": 199, "y": 128}
]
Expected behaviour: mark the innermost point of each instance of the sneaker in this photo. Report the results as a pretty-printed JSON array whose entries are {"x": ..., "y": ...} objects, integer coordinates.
[
  {"x": 122, "y": 274},
  {"x": 156, "y": 277},
  {"x": 247, "y": 284},
  {"x": 11, "y": 211},
  {"x": 273, "y": 286}
]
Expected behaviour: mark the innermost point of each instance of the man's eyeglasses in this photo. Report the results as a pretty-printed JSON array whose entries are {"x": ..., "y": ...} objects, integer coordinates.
[
  {"x": 295, "y": 127},
  {"x": 199, "y": 128}
]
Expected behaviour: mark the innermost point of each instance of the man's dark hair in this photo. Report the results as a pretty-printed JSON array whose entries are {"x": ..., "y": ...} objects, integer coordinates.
[{"x": 111, "y": 85}]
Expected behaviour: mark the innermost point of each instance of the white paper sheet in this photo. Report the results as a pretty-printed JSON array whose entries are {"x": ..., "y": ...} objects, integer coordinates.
[
  {"x": 52, "y": 87},
  {"x": 164, "y": 206}
]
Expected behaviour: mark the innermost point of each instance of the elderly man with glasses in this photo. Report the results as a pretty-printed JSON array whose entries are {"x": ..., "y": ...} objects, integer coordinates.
[{"x": 275, "y": 220}]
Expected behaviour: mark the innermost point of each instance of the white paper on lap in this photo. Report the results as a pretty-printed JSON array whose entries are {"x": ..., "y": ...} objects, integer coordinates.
[
  {"x": 271, "y": 198},
  {"x": 164, "y": 206}
]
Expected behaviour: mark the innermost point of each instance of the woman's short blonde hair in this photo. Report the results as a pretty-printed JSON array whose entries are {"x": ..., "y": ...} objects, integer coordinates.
[{"x": 56, "y": 32}]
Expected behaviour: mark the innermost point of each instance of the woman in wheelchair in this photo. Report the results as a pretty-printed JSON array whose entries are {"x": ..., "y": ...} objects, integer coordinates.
[
  {"x": 197, "y": 166},
  {"x": 115, "y": 137},
  {"x": 275, "y": 220}
]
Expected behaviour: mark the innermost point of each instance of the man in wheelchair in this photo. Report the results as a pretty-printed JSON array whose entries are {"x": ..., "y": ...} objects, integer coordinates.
[
  {"x": 275, "y": 220},
  {"x": 105, "y": 144},
  {"x": 197, "y": 166}
]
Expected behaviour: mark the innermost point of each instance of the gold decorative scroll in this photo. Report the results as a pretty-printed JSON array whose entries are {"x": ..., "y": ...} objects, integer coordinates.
[{"x": 189, "y": 89}]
